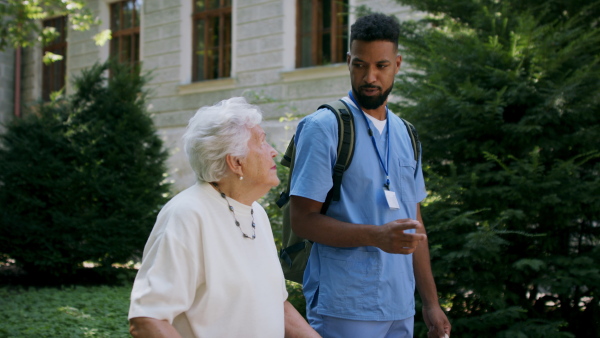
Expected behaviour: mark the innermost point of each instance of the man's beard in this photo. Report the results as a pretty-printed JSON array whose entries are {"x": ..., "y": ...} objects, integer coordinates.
[{"x": 371, "y": 102}]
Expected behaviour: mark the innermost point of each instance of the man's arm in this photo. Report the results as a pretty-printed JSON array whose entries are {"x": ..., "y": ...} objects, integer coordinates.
[
  {"x": 308, "y": 222},
  {"x": 147, "y": 327},
  {"x": 295, "y": 325},
  {"x": 434, "y": 317}
]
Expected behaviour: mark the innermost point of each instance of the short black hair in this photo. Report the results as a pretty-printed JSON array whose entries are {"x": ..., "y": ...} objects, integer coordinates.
[{"x": 376, "y": 26}]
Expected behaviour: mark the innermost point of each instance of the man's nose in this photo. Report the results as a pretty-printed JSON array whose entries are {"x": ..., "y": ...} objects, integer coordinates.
[{"x": 370, "y": 76}]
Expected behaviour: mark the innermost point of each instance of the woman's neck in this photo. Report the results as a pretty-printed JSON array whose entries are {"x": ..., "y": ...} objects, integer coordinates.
[{"x": 236, "y": 190}]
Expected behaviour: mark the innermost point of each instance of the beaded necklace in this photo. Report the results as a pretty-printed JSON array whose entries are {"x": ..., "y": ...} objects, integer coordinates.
[{"x": 233, "y": 213}]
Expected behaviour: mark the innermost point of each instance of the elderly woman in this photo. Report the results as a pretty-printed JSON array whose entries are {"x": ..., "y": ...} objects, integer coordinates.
[{"x": 210, "y": 267}]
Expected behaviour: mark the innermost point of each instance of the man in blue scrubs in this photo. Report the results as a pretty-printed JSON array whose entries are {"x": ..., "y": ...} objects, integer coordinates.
[{"x": 370, "y": 249}]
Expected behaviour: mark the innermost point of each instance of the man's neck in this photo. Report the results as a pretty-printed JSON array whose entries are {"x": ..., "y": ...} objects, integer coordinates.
[{"x": 378, "y": 113}]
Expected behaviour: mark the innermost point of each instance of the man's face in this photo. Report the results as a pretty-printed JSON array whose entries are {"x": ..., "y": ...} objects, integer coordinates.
[{"x": 373, "y": 65}]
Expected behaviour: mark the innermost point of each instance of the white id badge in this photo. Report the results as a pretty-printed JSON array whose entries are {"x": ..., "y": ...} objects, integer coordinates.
[{"x": 392, "y": 201}]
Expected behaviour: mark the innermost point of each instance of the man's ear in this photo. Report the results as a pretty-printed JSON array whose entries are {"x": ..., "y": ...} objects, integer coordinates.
[
  {"x": 398, "y": 62},
  {"x": 235, "y": 164}
]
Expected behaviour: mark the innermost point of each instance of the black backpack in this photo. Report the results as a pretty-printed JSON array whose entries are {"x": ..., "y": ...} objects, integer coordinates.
[{"x": 296, "y": 250}]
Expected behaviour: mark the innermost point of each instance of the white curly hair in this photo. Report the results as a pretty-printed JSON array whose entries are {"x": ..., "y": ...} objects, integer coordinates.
[{"x": 215, "y": 131}]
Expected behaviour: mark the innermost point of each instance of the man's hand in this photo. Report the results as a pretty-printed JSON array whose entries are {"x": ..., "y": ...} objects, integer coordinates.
[
  {"x": 437, "y": 322},
  {"x": 393, "y": 239}
]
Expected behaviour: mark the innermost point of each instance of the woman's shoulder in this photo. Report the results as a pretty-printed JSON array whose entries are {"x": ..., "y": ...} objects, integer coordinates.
[
  {"x": 182, "y": 216},
  {"x": 190, "y": 203},
  {"x": 258, "y": 208}
]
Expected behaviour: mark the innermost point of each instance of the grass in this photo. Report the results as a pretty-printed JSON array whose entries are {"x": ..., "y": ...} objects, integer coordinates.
[
  {"x": 77, "y": 311},
  {"x": 28, "y": 308}
]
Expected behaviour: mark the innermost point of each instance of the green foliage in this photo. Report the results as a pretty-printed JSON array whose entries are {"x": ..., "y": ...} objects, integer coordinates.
[
  {"x": 295, "y": 295},
  {"x": 506, "y": 98},
  {"x": 82, "y": 180},
  {"x": 98, "y": 311},
  {"x": 20, "y": 20},
  {"x": 269, "y": 203}
]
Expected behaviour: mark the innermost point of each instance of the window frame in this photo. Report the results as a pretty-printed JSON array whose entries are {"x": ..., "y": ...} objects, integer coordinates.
[
  {"x": 51, "y": 81},
  {"x": 223, "y": 13},
  {"x": 338, "y": 32},
  {"x": 132, "y": 31}
]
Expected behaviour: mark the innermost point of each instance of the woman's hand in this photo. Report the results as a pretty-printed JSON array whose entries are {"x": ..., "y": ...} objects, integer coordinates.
[{"x": 147, "y": 327}]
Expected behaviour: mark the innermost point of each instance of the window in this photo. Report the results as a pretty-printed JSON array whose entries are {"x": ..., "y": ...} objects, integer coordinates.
[
  {"x": 125, "y": 27},
  {"x": 53, "y": 75},
  {"x": 322, "y": 32},
  {"x": 211, "y": 39}
]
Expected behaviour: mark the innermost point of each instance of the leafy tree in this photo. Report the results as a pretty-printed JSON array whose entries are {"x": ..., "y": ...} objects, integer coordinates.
[
  {"x": 83, "y": 179},
  {"x": 506, "y": 98},
  {"x": 20, "y": 22}
]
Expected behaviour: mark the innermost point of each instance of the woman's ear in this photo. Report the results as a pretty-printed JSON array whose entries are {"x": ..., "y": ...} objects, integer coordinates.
[{"x": 235, "y": 164}]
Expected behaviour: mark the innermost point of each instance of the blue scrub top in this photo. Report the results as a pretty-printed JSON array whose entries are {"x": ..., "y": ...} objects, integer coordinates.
[{"x": 362, "y": 283}]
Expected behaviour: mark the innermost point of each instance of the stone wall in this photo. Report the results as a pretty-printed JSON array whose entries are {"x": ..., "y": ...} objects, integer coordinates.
[{"x": 263, "y": 68}]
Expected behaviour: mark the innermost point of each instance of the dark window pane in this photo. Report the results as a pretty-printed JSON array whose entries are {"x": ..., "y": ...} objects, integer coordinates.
[
  {"x": 53, "y": 75},
  {"x": 200, "y": 35},
  {"x": 326, "y": 49},
  {"x": 212, "y": 39},
  {"x": 136, "y": 47},
  {"x": 125, "y": 49},
  {"x": 306, "y": 51},
  {"x": 213, "y": 32},
  {"x": 306, "y": 14},
  {"x": 199, "y": 6},
  {"x": 115, "y": 16},
  {"x": 200, "y": 62},
  {"x": 227, "y": 48},
  {"x": 114, "y": 46},
  {"x": 138, "y": 7},
  {"x": 213, "y": 48},
  {"x": 323, "y": 41},
  {"x": 326, "y": 14},
  {"x": 125, "y": 43},
  {"x": 127, "y": 14},
  {"x": 200, "y": 47}
]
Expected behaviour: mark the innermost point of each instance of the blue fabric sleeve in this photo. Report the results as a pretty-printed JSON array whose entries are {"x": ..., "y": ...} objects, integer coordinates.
[{"x": 316, "y": 152}]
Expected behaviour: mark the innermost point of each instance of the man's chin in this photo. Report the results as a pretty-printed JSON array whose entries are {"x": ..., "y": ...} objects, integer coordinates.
[{"x": 371, "y": 102}]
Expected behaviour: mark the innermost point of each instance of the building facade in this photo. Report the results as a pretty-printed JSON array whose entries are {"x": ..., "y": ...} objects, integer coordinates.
[{"x": 287, "y": 56}]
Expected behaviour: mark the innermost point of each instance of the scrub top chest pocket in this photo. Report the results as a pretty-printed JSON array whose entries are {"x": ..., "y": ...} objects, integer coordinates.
[{"x": 407, "y": 180}]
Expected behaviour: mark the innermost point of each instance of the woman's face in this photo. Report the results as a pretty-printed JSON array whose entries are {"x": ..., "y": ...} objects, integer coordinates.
[{"x": 259, "y": 167}]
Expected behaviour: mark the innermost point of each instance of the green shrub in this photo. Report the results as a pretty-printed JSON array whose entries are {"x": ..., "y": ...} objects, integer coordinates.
[
  {"x": 506, "y": 98},
  {"x": 83, "y": 178},
  {"x": 295, "y": 295}
]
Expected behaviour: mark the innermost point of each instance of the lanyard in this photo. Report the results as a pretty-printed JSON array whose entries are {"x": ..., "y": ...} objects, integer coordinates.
[{"x": 386, "y": 165}]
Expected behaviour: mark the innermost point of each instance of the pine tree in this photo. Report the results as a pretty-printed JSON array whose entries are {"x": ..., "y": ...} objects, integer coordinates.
[
  {"x": 83, "y": 179},
  {"x": 506, "y": 98}
]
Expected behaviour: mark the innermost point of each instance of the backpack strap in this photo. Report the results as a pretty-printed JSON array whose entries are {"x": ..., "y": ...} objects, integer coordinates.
[
  {"x": 287, "y": 161},
  {"x": 345, "y": 149},
  {"x": 414, "y": 139},
  {"x": 345, "y": 153}
]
